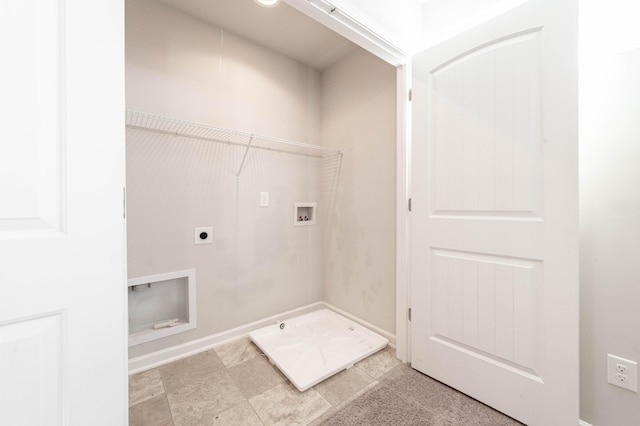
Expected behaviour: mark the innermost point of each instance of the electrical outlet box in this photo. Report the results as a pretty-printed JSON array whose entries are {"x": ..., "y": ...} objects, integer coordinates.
[
  {"x": 203, "y": 235},
  {"x": 264, "y": 199},
  {"x": 622, "y": 372}
]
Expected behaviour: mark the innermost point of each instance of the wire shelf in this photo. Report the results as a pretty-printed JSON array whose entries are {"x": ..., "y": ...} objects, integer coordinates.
[
  {"x": 330, "y": 158},
  {"x": 172, "y": 126}
]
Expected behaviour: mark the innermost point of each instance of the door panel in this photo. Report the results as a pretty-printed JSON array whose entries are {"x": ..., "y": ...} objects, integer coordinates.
[
  {"x": 488, "y": 305},
  {"x": 31, "y": 170},
  {"x": 62, "y": 269},
  {"x": 31, "y": 353},
  {"x": 487, "y": 138},
  {"x": 494, "y": 189}
]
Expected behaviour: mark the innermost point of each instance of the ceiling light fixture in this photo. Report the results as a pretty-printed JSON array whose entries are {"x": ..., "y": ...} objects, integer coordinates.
[{"x": 268, "y": 3}]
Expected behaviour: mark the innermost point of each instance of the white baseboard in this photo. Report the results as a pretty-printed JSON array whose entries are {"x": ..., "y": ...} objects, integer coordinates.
[
  {"x": 583, "y": 423},
  {"x": 174, "y": 353}
]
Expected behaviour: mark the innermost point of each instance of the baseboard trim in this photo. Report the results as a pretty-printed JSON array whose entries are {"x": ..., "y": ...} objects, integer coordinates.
[
  {"x": 174, "y": 353},
  {"x": 583, "y": 423}
]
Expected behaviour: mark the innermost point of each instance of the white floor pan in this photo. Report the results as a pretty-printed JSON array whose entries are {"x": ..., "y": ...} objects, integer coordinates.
[{"x": 315, "y": 346}]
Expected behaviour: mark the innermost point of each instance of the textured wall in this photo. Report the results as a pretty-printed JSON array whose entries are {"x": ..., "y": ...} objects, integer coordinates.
[
  {"x": 609, "y": 206},
  {"x": 359, "y": 115},
  {"x": 443, "y": 19},
  {"x": 179, "y": 66}
]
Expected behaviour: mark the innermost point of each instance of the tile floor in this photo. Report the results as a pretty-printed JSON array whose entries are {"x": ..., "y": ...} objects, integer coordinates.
[{"x": 235, "y": 384}]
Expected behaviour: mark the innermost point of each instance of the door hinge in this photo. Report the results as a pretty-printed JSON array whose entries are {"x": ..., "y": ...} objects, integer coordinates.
[
  {"x": 124, "y": 202},
  {"x": 409, "y": 204},
  {"x": 409, "y": 314},
  {"x": 410, "y": 95}
]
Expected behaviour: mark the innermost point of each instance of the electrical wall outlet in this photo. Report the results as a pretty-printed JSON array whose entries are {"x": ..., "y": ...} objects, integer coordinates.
[
  {"x": 622, "y": 372},
  {"x": 264, "y": 199},
  {"x": 203, "y": 235}
]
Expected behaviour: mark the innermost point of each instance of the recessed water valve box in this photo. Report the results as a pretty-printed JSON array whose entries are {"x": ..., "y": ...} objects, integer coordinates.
[
  {"x": 304, "y": 214},
  {"x": 161, "y": 305},
  {"x": 203, "y": 235}
]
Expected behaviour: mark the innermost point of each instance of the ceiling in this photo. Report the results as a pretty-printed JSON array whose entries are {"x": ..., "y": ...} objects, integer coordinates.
[{"x": 281, "y": 28}]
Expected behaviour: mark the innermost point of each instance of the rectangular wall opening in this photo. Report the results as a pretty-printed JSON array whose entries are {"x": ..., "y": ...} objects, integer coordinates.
[{"x": 161, "y": 305}]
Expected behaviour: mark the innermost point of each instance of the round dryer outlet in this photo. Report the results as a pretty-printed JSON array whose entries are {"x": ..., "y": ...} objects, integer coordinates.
[{"x": 203, "y": 235}]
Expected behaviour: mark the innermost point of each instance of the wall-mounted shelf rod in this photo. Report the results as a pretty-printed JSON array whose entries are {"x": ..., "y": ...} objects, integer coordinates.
[{"x": 244, "y": 157}]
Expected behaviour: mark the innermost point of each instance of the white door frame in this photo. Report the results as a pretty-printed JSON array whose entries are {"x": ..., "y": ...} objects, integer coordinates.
[
  {"x": 352, "y": 29},
  {"x": 403, "y": 223}
]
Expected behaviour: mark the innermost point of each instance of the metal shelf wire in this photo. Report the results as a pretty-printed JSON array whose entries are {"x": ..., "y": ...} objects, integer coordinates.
[{"x": 172, "y": 126}]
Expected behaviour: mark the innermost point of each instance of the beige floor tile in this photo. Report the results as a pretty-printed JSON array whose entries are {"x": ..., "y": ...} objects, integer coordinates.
[
  {"x": 201, "y": 400},
  {"x": 185, "y": 371},
  {"x": 284, "y": 405},
  {"x": 344, "y": 385},
  {"x": 240, "y": 415},
  {"x": 324, "y": 416},
  {"x": 144, "y": 386},
  {"x": 152, "y": 412},
  {"x": 378, "y": 364},
  {"x": 256, "y": 376},
  {"x": 237, "y": 352}
]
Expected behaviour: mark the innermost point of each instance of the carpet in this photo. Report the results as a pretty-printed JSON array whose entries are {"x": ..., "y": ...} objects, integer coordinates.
[{"x": 407, "y": 397}]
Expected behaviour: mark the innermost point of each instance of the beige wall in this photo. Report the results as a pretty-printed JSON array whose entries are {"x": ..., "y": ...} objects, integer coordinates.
[
  {"x": 181, "y": 67},
  {"x": 443, "y": 19},
  {"x": 609, "y": 206},
  {"x": 259, "y": 264},
  {"x": 359, "y": 116}
]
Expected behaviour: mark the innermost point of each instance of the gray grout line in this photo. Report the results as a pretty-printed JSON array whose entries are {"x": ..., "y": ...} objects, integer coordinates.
[
  {"x": 246, "y": 398},
  {"x": 164, "y": 392}
]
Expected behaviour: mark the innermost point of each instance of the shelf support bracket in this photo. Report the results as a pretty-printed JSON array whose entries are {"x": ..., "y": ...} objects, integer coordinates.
[{"x": 244, "y": 157}]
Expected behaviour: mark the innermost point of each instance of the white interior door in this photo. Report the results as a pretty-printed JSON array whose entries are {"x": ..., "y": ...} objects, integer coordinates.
[
  {"x": 62, "y": 267},
  {"x": 495, "y": 229}
]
